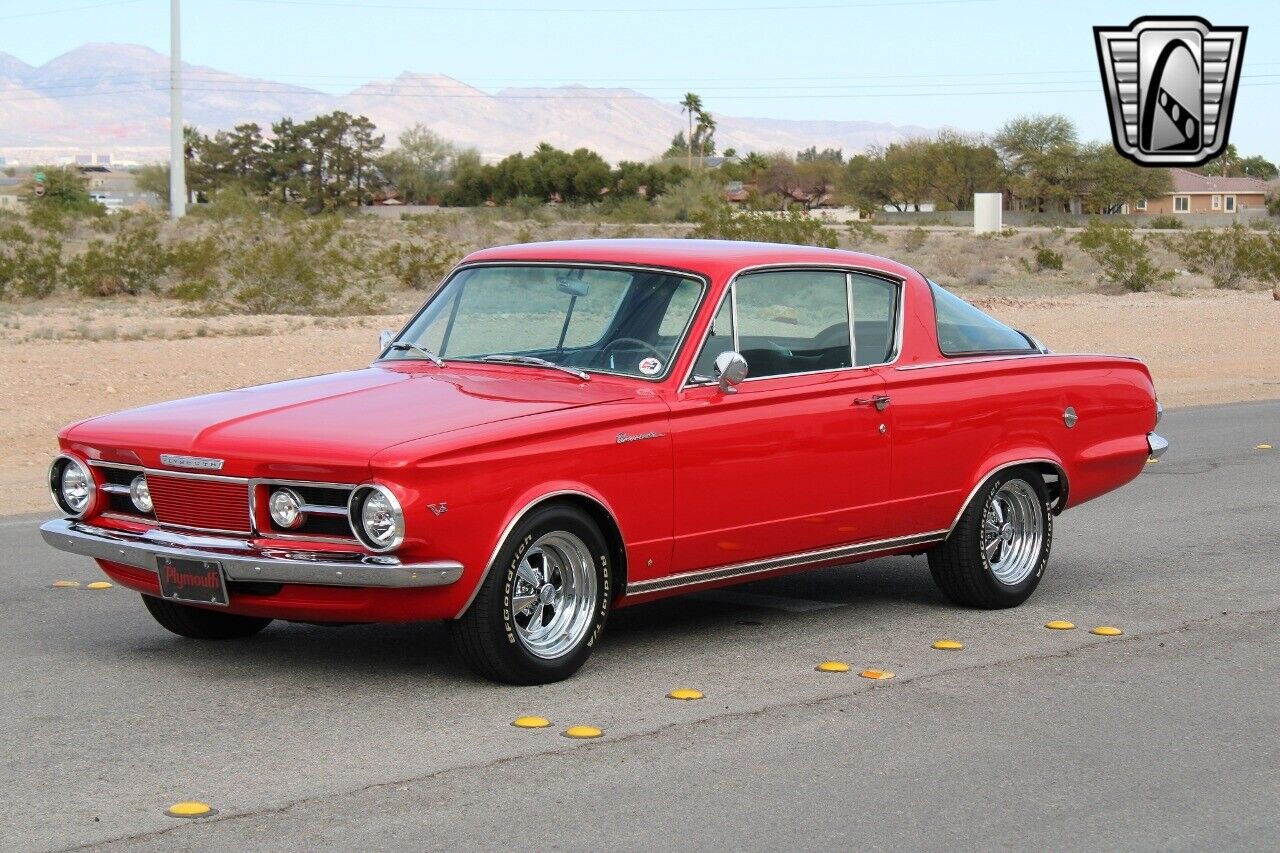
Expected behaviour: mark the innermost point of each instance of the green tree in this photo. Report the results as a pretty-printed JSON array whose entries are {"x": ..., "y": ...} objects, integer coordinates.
[
  {"x": 63, "y": 190},
  {"x": 1040, "y": 154},
  {"x": 422, "y": 166},
  {"x": 154, "y": 178},
  {"x": 1110, "y": 181},
  {"x": 959, "y": 166}
]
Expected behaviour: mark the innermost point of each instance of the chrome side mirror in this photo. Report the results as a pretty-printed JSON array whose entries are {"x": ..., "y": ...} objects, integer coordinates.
[
  {"x": 731, "y": 369},
  {"x": 385, "y": 337}
]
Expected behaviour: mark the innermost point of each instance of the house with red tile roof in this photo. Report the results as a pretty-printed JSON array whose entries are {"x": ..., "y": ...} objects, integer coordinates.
[{"x": 1196, "y": 193}]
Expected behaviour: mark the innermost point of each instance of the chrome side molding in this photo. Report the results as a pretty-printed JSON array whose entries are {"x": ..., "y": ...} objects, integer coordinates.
[{"x": 787, "y": 561}]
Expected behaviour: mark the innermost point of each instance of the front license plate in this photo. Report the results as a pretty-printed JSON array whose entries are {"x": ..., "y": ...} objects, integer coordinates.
[{"x": 199, "y": 581}]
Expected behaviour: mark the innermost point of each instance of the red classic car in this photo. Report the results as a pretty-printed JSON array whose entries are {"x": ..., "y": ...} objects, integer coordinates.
[{"x": 569, "y": 427}]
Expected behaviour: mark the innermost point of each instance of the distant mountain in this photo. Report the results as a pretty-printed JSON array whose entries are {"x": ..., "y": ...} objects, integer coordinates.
[{"x": 105, "y": 97}]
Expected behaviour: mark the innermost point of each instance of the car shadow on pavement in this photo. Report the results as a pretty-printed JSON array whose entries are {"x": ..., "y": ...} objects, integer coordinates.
[{"x": 421, "y": 650}]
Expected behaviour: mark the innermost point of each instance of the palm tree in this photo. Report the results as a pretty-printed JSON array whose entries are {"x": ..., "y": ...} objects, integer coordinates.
[
  {"x": 692, "y": 105},
  {"x": 706, "y": 131}
]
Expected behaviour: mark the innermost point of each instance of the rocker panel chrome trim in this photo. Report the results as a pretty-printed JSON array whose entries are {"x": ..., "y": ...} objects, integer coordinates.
[{"x": 770, "y": 564}]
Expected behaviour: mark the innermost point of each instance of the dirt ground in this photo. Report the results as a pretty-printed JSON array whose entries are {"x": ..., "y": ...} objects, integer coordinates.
[{"x": 58, "y": 364}]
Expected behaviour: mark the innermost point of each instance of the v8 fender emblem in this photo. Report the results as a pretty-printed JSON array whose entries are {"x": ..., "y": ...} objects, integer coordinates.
[{"x": 438, "y": 509}]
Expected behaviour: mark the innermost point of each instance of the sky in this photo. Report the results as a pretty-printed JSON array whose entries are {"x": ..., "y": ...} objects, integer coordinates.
[{"x": 967, "y": 64}]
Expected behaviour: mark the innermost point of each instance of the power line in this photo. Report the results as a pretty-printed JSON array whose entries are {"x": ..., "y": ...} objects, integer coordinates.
[
  {"x": 585, "y": 10},
  {"x": 68, "y": 9},
  {"x": 607, "y": 98}
]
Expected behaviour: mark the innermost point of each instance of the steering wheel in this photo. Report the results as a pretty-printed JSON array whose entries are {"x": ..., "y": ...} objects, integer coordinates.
[{"x": 644, "y": 344}]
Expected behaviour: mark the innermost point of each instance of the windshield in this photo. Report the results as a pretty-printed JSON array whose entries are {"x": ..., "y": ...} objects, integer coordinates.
[{"x": 628, "y": 322}]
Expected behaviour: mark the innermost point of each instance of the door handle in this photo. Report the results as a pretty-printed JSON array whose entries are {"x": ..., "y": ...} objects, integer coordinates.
[{"x": 880, "y": 401}]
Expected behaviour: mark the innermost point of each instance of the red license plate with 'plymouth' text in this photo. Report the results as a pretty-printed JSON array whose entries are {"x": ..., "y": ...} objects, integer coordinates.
[{"x": 198, "y": 581}]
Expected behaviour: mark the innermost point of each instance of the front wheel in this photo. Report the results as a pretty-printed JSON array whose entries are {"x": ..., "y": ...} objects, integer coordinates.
[
  {"x": 197, "y": 623},
  {"x": 543, "y": 605},
  {"x": 999, "y": 548}
]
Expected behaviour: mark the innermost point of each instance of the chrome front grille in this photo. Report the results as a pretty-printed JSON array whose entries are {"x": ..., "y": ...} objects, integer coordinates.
[{"x": 200, "y": 503}]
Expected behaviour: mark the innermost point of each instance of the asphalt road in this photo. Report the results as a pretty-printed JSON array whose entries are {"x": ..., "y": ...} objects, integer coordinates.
[{"x": 375, "y": 738}]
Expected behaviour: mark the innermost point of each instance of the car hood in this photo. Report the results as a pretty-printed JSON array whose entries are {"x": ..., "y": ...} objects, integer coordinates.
[{"x": 328, "y": 425}]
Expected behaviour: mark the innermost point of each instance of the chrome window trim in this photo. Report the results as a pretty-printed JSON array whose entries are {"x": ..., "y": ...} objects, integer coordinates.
[
  {"x": 703, "y": 280},
  {"x": 980, "y": 359},
  {"x": 515, "y": 519},
  {"x": 849, "y": 270},
  {"x": 785, "y": 561}
]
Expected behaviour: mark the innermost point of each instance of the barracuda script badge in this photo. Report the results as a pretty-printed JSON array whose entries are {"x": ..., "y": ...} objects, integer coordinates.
[
  {"x": 199, "y": 463},
  {"x": 1171, "y": 86}
]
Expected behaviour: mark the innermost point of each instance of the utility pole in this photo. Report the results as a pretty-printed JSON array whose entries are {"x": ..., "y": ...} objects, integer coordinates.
[{"x": 177, "y": 151}]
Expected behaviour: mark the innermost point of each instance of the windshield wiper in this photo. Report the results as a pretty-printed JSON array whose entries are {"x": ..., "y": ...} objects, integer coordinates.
[
  {"x": 400, "y": 346},
  {"x": 536, "y": 362}
]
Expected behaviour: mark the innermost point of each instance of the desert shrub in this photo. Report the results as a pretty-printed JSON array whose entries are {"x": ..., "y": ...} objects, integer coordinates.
[
  {"x": 132, "y": 261},
  {"x": 1122, "y": 255},
  {"x": 1047, "y": 259},
  {"x": 1165, "y": 221},
  {"x": 30, "y": 264},
  {"x": 682, "y": 201},
  {"x": 1230, "y": 257},
  {"x": 915, "y": 239},
  {"x": 194, "y": 266},
  {"x": 722, "y": 222},
  {"x": 862, "y": 231},
  {"x": 419, "y": 265},
  {"x": 295, "y": 268},
  {"x": 1273, "y": 204},
  {"x": 627, "y": 210}
]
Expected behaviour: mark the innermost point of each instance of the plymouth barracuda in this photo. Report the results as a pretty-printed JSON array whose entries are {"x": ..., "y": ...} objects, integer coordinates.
[{"x": 565, "y": 428}]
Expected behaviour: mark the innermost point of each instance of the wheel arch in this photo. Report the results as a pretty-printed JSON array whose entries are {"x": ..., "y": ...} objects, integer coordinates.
[
  {"x": 1051, "y": 471},
  {"x": 595, "y": 508}
]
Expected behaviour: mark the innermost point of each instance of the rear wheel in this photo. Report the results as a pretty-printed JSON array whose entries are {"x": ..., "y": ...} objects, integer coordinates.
[
  {"x": 543, "y": 604},
  {"x": 198, "y": 623},
  {"x": 999, "y": 549}
]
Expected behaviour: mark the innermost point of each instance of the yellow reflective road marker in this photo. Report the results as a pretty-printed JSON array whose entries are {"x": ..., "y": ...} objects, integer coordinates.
[
  {"x": 99, "y": 585},
  {"x": 832, "y": 666},
  {"x": 530, "y": 722},
  {"x": 190, "y": 808},
  {"x": 1060, "y": 625},
  {"x": 878, "y": 674},
  {"x": 948, "y": 645},
  {"x": 1152, "y": 461},
  {"x": 1264, "y": 447},
  {"x": 66, "y": 584},
  {"x": 1106, "y": 631},
  {"x": 582, "y": 732},
  {"x": 686, "y": 694}
]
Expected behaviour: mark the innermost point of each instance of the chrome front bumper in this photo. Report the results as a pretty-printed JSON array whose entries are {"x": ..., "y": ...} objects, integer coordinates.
[
  {"x": 1156, "y": 445},
  {"x": 242, "y": 561}
]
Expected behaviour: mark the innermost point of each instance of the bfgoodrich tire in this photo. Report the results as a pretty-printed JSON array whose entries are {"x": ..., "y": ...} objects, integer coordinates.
[
  {"x": 543, "y": 604},
  {"x": 197, "y": 623},
  {"x": 1000, "y": 547}
]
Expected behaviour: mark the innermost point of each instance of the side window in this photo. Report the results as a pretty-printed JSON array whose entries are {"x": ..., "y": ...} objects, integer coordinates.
[
  {"x": 875, "y": 306},
  {"x": 720, "y": 339},
  {"x": 963, "y": 329},
  {"x": 793, "y": 322}
]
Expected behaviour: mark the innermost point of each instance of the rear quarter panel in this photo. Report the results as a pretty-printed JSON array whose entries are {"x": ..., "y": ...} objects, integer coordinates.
[{"x": 956, "y": 421}]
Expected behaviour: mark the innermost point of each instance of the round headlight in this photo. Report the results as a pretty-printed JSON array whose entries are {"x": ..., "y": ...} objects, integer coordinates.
[
  {"x": 140, "y": 494},
  {"x": 376, "y": 518},
  {"x": 72, "y": 485},
  {"x": 286, "y": 508}
]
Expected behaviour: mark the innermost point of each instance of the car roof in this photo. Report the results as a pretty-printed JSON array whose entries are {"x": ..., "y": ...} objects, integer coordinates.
[{"x": 709, "y": 257}]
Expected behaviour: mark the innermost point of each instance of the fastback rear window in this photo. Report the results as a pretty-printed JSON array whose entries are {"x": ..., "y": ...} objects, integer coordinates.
[{"x": 965, "y": 330}]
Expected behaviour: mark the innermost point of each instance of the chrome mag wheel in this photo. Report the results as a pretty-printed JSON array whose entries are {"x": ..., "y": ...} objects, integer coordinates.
[
  {"x": 1012, "y": 532},
  {"x": 553, "y": 598}
]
